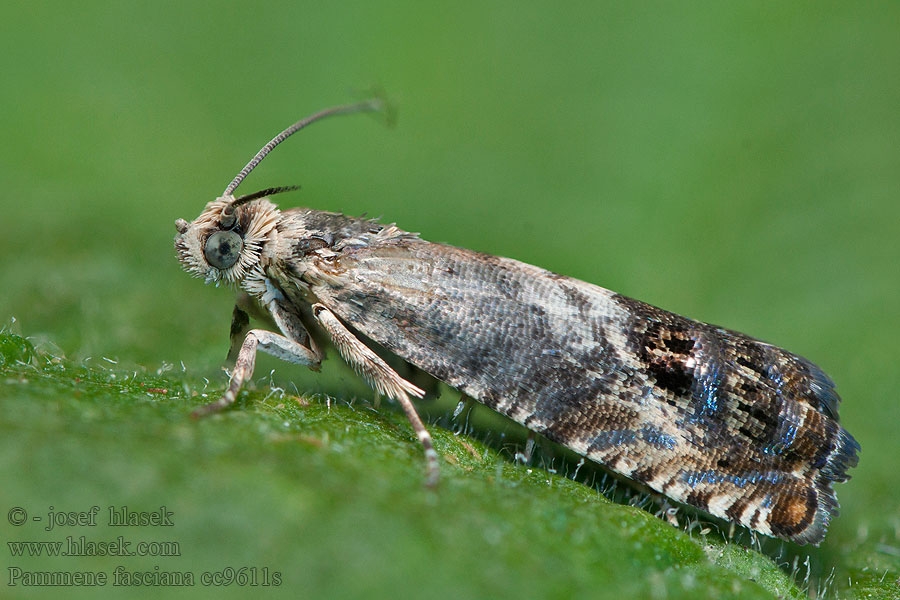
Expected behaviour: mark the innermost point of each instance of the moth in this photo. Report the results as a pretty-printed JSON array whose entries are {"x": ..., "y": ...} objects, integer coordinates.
[{"x": 709, "y": 417}]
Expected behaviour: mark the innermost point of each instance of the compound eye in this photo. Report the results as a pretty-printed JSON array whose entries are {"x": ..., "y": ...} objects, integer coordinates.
[{"x": 223, "y": 248}]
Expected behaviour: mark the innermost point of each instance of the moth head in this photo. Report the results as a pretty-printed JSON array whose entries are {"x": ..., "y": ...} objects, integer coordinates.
[{"x": 226, "y": 241}]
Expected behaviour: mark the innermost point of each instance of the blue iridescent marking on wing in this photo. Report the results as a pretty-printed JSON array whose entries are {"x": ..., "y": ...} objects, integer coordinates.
[
  {"x": 613, "y": 437},
  {"x": 655, "y": 437},
  {"x": 787, "y": 438},
  {"x": 705, "y": 388},
  {"x": 711, "y": 477}
]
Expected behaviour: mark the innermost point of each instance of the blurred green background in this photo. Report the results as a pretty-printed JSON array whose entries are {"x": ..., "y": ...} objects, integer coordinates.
[{"x": 734, "y": 162}]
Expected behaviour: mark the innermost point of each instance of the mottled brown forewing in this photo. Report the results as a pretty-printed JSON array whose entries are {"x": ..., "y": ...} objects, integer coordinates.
[{"x": 710, "y": 417}]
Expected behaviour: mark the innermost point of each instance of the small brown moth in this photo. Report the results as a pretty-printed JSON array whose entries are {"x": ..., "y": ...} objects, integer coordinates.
[{"x": 704, "y": 415}]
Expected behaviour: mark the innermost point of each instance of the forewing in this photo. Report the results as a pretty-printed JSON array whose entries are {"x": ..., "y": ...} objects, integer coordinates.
[{"x": 709, "y": 417}]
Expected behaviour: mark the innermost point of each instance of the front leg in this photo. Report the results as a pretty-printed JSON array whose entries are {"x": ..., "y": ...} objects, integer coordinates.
[
  {"x": 247, "y": 307},
  {"x": 240, "y": 326},
  {"x": 381, "y": 377},
  {"x": 294, "y": 346},
  {"x": 269, "y": 342}
]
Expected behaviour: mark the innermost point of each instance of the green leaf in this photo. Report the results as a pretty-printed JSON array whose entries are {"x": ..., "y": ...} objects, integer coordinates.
[{"x": 329, "y": 494}]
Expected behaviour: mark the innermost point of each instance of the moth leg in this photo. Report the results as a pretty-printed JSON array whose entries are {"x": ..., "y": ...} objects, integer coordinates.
[
  {"x": 465, "y": 405},
  {"x": 382, "y": 378},
  {"x": 240, "y": 325},
  {"x": 270, "y": 343},
  {"x": 524, "y": 458}
]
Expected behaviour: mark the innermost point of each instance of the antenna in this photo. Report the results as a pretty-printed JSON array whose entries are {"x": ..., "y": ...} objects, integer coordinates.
[{"x": 373, "y": 104}]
